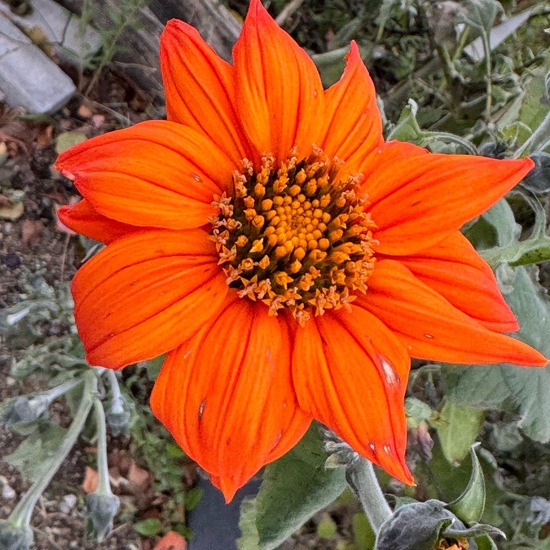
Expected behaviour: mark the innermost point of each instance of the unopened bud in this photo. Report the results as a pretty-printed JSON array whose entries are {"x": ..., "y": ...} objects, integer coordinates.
[
  {"x": 13, "y": 537},
  {"x": 118, "y": 416},
  {"x": 25, "y": 409},
  {"x": 101, "y": 509}
]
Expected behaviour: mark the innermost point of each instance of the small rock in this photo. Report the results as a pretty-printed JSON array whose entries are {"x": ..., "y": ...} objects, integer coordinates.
[
  {"x": 68, "y": 502},
  {"x": 22, "y": 65},
  {"x": 8, "y": 493},
  {"x": 60, "y": 30},
  {"x": 12, "y": 260}
]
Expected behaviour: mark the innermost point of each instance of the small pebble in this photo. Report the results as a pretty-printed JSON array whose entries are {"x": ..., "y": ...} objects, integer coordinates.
[
  {"x": 68, "y": 502},
  {"x": 7, "y": 491},
  {"x": 11, "y": 260}
]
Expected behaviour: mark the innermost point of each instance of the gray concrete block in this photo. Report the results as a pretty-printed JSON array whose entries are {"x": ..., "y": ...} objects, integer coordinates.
[
  {"x": 74, "y": 43},
  {"x": 28, "y": 77}
]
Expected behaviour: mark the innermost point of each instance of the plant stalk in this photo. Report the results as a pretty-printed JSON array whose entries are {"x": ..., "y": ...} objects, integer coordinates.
[
  {"x": 362, "y": 479},
  {"x": 103, "y": 485},
  {"x": 21, "y": 514}
]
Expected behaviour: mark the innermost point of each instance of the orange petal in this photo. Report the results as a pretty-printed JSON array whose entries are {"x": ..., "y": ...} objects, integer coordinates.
[
  {"x": 279, "y": 91},
  {"x": 350, "y": 373},
  {"x": 145, "y": 294},
  {"x": 227, "y": 398},
  {"x": 156, "y": 173},
  {"x": 433, "y": 194},
  {"x": 200, "y": 88},
  {"x": 353, "y": 122},
  {"x": 83, "y": 219},
  {"x": 455, "y": 270},
  {"x": 431, "y": 327}
]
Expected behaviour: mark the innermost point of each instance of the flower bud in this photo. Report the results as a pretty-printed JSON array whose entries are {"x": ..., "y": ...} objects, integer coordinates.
[
  {"x": 25, "y": 409},
  {"x": 13, "y": 537},
  {"x": 431, "y": 524},
  {"x": 101, "y": 509},
  {"x": 118, "y": 416}
]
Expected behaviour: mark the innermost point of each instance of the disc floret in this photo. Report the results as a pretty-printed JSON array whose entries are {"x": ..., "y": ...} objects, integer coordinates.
[{"x": 294, "y": 235}]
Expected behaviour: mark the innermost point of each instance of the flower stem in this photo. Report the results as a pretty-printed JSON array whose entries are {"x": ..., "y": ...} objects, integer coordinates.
[
  {"x": 362, "y": 479},
  {"x": 538, "y": 139},
  {"x": 103, "y": 486},
  {"x": 21, "y": 514},
  {"x": 488, "y": 75},
  {"x": 57, "y": 391},
  {"x": 117, "y": 398}
]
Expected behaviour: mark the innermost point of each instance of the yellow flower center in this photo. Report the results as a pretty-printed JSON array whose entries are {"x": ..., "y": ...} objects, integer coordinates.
[{"x": 295, "y": 236}]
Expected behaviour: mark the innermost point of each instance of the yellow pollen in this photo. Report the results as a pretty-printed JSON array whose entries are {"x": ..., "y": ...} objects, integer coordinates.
[{"x": 294, "y": 235}]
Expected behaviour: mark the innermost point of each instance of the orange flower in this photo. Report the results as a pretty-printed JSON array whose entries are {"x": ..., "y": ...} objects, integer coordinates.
[{"x": 287, "y": 259}]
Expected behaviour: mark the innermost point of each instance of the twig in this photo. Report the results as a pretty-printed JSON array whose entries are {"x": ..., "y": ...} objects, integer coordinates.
[{"x": 288, "y": 10}]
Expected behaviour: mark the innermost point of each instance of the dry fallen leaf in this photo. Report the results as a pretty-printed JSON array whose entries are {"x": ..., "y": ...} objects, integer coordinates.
[
  {"x": 84, "y": 111},
  {"x": 171, "y": 541},
  {"x": 89, "y": 485},
  {"x": 139, "y": 478},
  {"x": 45, "y": 135},
  {"x": 30, "y": 231},
  {"x": 12, "y": 212}
]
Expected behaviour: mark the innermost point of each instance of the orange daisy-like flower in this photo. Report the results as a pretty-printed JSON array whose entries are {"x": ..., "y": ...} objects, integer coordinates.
[{"x": 287, "y": 259}]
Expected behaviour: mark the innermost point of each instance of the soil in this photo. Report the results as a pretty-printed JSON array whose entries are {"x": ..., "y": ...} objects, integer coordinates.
[{"x": 34, "y": 246}]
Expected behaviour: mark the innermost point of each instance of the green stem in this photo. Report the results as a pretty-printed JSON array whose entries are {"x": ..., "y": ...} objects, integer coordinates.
[
  {"x": 57, "y": 391},
  {"x": 103, "y": 486},
  {"x": 488, "y": 75},
  {"x": 451, "y": 138},
  {"x": 362, "y": 479},
  {"x": 117, "y": 399},
  {"x": 537, "y": 140},
  {"x": 21, "y": 514}
]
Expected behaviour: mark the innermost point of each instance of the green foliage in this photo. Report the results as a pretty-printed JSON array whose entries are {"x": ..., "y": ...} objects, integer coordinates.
[
  {"x": 148, "y": 527},
  {"x": 458, "y": 427},
  {"x": 295, "y": 487},
  {"x": 497, "y": 386},
  {"x": 31, "y": 458},
  {"x": 503, "y": 386},
  {"x": 153, "y": 445},
  {"x": 469, "y": 506},
  {"x": 363, "y": 535},
  {"x": 124, "y": 16}
]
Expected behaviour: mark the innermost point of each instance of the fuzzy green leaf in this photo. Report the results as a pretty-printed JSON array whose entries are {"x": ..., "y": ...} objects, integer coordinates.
[
  {"x": 294, "y": 488},
  {"x": 498, "y": 386},
  {"x": 458, "y": 427},
  {"x": 469, "y": 506},
  {"x": 32, "y": 457}
]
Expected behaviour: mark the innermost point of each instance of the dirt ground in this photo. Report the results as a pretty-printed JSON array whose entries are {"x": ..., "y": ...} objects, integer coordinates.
[{"x": 34, "y": 247}]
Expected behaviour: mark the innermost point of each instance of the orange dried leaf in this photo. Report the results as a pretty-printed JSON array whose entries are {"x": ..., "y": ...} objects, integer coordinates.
[
  {"x": 171, "y": 541},
  {"x": 89, "y": 485}
]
